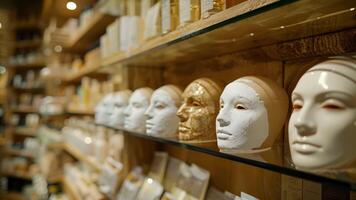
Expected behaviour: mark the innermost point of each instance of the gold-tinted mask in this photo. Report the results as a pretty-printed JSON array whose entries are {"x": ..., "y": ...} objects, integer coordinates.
[{"x": 198, "y": 111}]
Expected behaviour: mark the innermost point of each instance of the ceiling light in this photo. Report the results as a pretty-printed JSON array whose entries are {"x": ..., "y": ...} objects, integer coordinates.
[{"x": 71, "y": 5}]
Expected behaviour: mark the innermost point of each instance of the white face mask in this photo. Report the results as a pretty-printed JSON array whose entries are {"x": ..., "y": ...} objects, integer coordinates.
[
  {"x": 242, "y": 123},
  {"x": 119, "y": 106},
  {"x": 103, "y": 110},
  {"x": 162, "y": 119},
  {"x": 135, "y": 119},
  {"x": 323, "y": 123}
]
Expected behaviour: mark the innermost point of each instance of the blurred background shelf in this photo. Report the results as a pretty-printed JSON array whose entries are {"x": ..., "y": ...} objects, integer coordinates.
[
  {"x": 26, "y": 131},
  {"x": 20, "y": 26},
  {"x": 20, "y": 175},
  {"x": 82, "y": 38},
  {"x": 72, "y": 111},
  {"x": 12, "y": 196},
  {"x": 24, "y": 110},
  {"x": 78, "y": 155},
  {"x": 28, "y": 66},
  {"x": 28, "y": 89},
  {"x": 18, "y": 152},
  {"x": 92, "y": 71},
  {"x": 28, "y": 44}
]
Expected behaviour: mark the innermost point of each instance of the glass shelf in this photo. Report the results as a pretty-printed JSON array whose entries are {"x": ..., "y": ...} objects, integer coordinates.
[
  {"x": 274, "y": 160},
  {"x": 271, "y": 24}
]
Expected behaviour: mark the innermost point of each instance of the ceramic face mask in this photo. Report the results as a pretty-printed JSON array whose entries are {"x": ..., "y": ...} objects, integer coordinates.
[
  {"x": 323, "y": 123},
  {"x": 103, "y": 110},
  {"x": 198, "y": 112},
  {"x": 161, "y": 114},
  {"x": 252, "y": 114},
  {"x": 135, "y": 119},
  {"x": 242, "y": 122},
  {"x": 120, "y": 102}
]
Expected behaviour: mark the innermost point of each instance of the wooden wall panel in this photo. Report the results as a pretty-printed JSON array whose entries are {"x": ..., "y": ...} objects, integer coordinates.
[
  {"x": 223, "y": 69},
  {"x": 136, "y": 77}
]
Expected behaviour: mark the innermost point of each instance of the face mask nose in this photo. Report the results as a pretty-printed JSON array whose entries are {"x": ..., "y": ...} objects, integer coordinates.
[
  {"x": 304, "y": 123},
  {"x": 182, "y": 114},
  {"x": 222, "y": 119},
  {"x": 127, "y": 111},
  {"x": 149, "y": 113}
]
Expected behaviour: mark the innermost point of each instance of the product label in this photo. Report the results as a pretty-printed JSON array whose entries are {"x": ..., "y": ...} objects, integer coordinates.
[
  {"x": 124, "y": 38},
  {"x": 199, "y": 173},
  {"x": 185, "y": 170},
  {"x": 206, "y": 5},
  {"x": 151, "y": 21},
  {"x": 166, "y": 15},
  {"x": 246, "y": 196},
  {"x": 184, "y": 11}
]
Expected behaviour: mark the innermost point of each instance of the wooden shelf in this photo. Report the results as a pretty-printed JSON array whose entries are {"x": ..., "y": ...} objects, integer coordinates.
[
  {"x": 24, "y": 110},
  {"x": 28, "y": 44},
  {"x": 28, "y": 66},
  {"x": 86, "y": 71},
  {"x": 2, "y": 141},
  {"x": 90, "y": 32},
  {"x": 28, "y": 89},
  {"x": 20, "y": 175},
  {"x": 12, "y": 196},
  {"x": 78, "y": 155},
  {"x": 55, "y": 179},
  {"x": 57, "y": 145},
  {"x": 26, "y": 131},
  {"x": 271, "y": 160},
  {"x": 21, "y": 153},
  {"x": 79, "y": 112},
  {"x": 27, "y": 25},
  {"x": 251, "y": 24}
]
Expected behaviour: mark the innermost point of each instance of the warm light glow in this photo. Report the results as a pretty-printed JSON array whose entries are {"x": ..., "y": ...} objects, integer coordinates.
[
  {"x": 58, "y": 48},
  {"x": 0, "y": 25},
  {"x": 71, "y": 5},
  {"x": 88, "y": 140},
  {"x": 149, "y": 181},
  {"x": 352, "y": 9},
  {"x": 282, "y": 27},
  {"x": 252, "y": 34}
]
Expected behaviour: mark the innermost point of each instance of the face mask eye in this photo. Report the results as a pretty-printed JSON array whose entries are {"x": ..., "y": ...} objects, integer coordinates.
[
  {"x": 240, "y": 107},
  {"x": 297, "y": 107},
  {"x": 160, "y": 106},
  {"x": 221, "y": 105},
  {"x": 195, "y": 104},
  {"x": 332, "y": 107}
]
